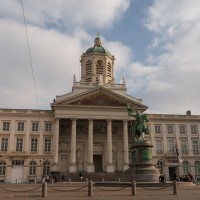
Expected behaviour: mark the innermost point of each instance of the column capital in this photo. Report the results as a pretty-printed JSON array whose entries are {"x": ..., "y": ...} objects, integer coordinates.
[
  {"x": 91, "y": 119},
  {"x": 73, "y": 119},
  {"x": 57, "y": 119},
  {"x": 109, "y": 120}
]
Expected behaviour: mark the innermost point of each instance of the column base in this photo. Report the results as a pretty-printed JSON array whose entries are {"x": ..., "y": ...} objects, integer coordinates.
[
  {"x": 125, "y": 167},
  {"x": 54, "y": 167},
  {"x": 110, "y": 168},
  {"x": 72, "y": 168},
  {"x": 90, "y": 168}
]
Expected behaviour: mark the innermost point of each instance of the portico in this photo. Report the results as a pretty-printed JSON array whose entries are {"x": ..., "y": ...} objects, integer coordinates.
[{"x": 80, "y": 134}]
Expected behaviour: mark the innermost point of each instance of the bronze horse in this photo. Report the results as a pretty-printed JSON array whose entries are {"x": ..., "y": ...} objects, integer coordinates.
[{"x": 139, "y": 128}]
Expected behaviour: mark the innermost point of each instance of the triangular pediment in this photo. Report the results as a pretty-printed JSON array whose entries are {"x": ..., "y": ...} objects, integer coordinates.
[{"x": 100, "y": 97}]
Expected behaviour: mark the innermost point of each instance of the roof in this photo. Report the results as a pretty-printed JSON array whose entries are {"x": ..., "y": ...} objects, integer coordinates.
[{"x": 97, "y": 48}]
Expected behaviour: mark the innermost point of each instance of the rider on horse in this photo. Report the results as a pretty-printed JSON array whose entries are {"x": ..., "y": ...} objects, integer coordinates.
[{"x": 139, "y": 128}]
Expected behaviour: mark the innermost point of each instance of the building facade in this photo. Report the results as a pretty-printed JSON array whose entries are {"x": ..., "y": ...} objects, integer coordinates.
[{"x": 87, "y": 130}]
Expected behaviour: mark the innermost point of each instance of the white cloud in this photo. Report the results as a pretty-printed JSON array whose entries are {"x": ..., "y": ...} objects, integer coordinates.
[
  {"x": 167, "y": 80},
  {"x": 57, "y": 32},
  {"x": 55, "y": 58},
  {"x": 176, "y": 28},
  {"x": 66, "y": 14}
]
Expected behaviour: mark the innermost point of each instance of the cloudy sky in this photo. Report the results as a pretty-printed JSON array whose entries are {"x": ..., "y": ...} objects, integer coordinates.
[{"x": 156, "y": 44}]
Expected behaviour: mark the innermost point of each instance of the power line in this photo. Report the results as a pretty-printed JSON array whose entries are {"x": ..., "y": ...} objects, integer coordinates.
[
  {"x": 29, "y": 52},
  {"x": 31, "y": 64}
]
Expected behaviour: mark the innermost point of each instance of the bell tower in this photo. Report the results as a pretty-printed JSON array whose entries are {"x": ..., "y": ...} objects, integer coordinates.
[{"x": 97, "y": 65}]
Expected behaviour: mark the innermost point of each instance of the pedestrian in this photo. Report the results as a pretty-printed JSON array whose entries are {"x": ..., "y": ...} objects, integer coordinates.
[{"x": 81, "y": 175}]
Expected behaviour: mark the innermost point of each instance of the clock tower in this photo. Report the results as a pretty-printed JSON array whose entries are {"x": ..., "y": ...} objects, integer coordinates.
[{"x": 97, "y": 65}]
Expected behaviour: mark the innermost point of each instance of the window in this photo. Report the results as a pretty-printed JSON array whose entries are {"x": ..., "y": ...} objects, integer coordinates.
[
  {"x": 186, "y": 167},
  {"x": 194, "y": 129},
  {"x": 47, "y": 145},
  {"x": 159, "y": 146},
  {"x": 182, "y": 129},
  {"x": 32, "y": 168},
  {"x": 18, "y": 162},
  {"x": 184, "y": 146},
  {"x": 48, "y": 126},
  {"x": 170, "y": 129},
  {"x": 159, "y": 165},
  {"x": 46, "y": 168},
  {"x": 4, "y": 144},
  {"x": 34, "y": 145},
  {"x": 35, "y": 126},
  {"x": 2, "y": 168},
  {"x": 6, "y": 126},
  {"x": 157, "y": 128},
  {"x": 20, "y": 126},
  {"x": 195, "y": 146},
  {"x": 197, "y": 167},
  {"x": 171, "y": 146},
  {"x": 19, "y": 144}
]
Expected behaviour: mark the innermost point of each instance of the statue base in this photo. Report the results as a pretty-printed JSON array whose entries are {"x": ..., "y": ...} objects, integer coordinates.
[{"x": 142, "y": 168}]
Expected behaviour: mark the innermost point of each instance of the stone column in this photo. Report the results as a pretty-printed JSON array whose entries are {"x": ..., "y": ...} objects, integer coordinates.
[
  {"x": 73, "y": 166},
  {"x": 109, "y": 167},
  {"x": 55, "y": 145},
  {"x": 126, "y": 149},
  {"x": 90, "y": 165}
]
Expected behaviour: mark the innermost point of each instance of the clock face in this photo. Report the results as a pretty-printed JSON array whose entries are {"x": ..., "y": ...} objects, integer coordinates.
[{"x": 99, "y": 62}]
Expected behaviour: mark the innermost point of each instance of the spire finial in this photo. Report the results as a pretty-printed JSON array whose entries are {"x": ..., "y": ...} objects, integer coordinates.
[
  {"x": 97, "y": 41},
  {"x": 98, "y": 34}
]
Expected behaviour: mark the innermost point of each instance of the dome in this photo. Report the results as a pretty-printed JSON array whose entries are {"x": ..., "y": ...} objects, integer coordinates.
[{"x": 97, "y": 48}]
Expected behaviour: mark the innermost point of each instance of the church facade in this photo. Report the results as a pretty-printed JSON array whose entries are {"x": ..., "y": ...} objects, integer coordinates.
[{"x": 87, "y": 130}]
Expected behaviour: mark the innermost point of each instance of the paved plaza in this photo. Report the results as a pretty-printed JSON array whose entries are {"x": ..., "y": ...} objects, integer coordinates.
[{"x": 80, "y": 192}]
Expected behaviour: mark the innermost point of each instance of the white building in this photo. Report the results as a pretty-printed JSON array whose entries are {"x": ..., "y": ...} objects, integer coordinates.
[{"x": 87, "y": 130}]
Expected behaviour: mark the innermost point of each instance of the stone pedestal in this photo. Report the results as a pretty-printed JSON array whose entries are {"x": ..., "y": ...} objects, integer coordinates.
[
  {"x": 55, "y": 167},
  {"x": 90, "y": 168},
  {"x": 110, "y": 168},
  {"x": 142, "y": 168},
  {"x": 72, "y": 168}
]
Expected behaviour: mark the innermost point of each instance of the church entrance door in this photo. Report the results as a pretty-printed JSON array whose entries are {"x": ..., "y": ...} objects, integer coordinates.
[{"x": 98, "y": 165}]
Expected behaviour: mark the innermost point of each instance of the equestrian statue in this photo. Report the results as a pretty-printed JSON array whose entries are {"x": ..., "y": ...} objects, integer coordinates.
[{"x": 139, "y": 129}]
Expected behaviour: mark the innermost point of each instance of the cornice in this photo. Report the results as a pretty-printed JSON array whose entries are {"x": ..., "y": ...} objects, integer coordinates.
[{"x": 26, "y": 114}]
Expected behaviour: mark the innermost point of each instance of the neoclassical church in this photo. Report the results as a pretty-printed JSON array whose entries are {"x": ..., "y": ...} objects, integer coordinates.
[{"x": 87, "y": 130}]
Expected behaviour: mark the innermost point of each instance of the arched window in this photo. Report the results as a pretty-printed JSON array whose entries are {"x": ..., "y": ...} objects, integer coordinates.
[
  {"x": 2, "y": 168},
  {"x": 197, "y": 167},
  {"x": 88, "y": 71},
  {"x": 32, "y": 168},
  {"x": 186, "y": 167},
  {"x": 109, "y": 71},
  {"x": 46, "y": 168}
]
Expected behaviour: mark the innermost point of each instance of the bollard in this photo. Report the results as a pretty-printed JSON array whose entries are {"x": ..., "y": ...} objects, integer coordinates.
[
  {"x": 35, "y": 181},
  {"x": 44, "y": 189},
  {"x": 175, "y": 191},
  {"x": 69, "y": 180},
  {"x": 90, "y": 189},
  {"x": 133, "y": 185},
  {"x": 119, "y": 180}
]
